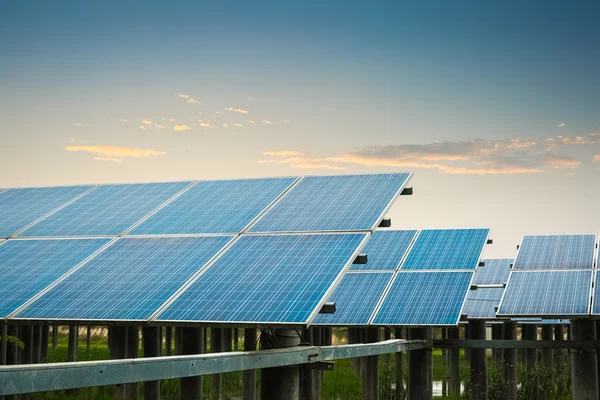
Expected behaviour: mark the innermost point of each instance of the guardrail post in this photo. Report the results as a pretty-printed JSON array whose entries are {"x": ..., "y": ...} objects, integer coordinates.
[
  {"x": 478, "y": 361},
  {"x": 282, "y": 382},
  {"x": 191, "y": 343},
  {"x": 454, "y": 364},
  {"x": 250, "y": 375},
  {"x": 584, "y": 363},
  {"x": 151, "y": 344},
  {"x": 510, "y": 361},
  {"x": 216, "y": 346},
  {"x": 420, "y": 371}
]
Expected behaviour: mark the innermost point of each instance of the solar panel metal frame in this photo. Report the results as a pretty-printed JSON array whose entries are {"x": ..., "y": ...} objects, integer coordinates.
[
  {"x": 549, "y": 316},
  {"x": 62, "y": 277},
  {"x": 13, "y": 316},
  {"x": 258, "y": 324},
  {"x": 244, "y": 230},
  {"x": 372, "y": 229},
  {"x": 594, "y": 257},
  {"x": 190, "y": 184}
]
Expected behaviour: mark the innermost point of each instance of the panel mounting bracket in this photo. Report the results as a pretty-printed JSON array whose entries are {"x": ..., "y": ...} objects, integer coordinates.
[
  {"x": 385, "y": 223},
  {"x": 407, "y": 192},
  {"x": 328, "y": 308},
  {"x": 360, "y": 259}
]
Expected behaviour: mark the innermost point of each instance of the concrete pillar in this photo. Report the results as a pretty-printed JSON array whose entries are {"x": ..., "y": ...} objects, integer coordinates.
[
  {"x": 151, "y": 344},
  {"x": 216, "y": 346},
  {"x": 168, "y": 340},
  {"x": 510, "y": 361},
  {"x": 530, "y": 333},
  {"x": 73, "y": 342},
  {"x": 584, "y": 363},
  {"x": 132, "y": 351},
  {"x": 44, "y": 344},
  {"x": 477, "y": 331},
  {"x": 370, "y": 390},
  {"x": 400, "y": 389},
  {"x": 559, "y": 335},
  {"x": 191, "y": 343},
  {"x": 454, "y": 364},
  {"x": 420, "y": 367},
  {"x": 37, "y": 344},
  {"x": 282, "y": 382},
  {"x": 250, "y": 375},
  {"x": 547, "y": 335},
  {"x": 54, "y": 337}
]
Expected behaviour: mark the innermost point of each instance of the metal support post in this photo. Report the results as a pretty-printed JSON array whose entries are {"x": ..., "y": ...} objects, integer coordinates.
[
  {"x": 151, "y": 344},
  {"x": 216, "y": 346},
  {"x": 420, "y": 367},
  {"x": 510, "y": 361},
  {"x": 119, "y": 343},
  {"x": 27, "y": 338},
  {"x": 477, "y": 331},
  {"x": 54, "y": 337},
  {"x": 559, "y": 336},
  {"x": 12, "y": 352},
  {"x": 227, "y": 339},
  {"x": 454, "y": 364},
  {"x": 168, "y": 340},
  {"x": 236, "y": 339},
  {"x": 44, "y": 343},
  {"x": 387, "y": 335},
  {"x": 177, "y": 341},
  {"x": 547, "y": 334},
  {"x": 72, "y": 346},
  {"x": 400, "y": 388},
  {"x": 354, "y": 337},
  {"x": 250, "y": 375},
  {"x": 370, "y": 390},
  {"x": 584, "y": 363},
  {"x": 467, "y": 351},
  {"x": 37, "y": 344},
  {"x": 88, "y": 338},
  {"x": 133, "y": 347},
  {"x": 191, "y": 343},
  {"x": 318, "y": 339},
  {"x": 530, "y": 333},
  {"x": 307, "y": 379},
  {"x": 3, "y": 333},
  {"x": 497, "y": 353},
  {"x": 282, "y": 382}
]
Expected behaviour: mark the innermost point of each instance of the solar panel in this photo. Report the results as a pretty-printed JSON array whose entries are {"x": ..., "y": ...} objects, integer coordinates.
[
  {"x": 21, "y": 207},
  {"x": 556, "y": 252},
  {"x": 355, "y": 298},
  {"x": 106, "y": 211},
  {"x": 385, "y": 250},
  {"x": 551, "y": 293},
  {"x": 215, "y": 207},
  {"x": 129, "y": 280},
  {"x": 424, "y": 298},
  {"x": 458, "y": 249},
  {"x": 482, "y": 303},
  {"x": 494, "y": 272},
  {"x": 334, "y": 203},
  {"x": 539, "y": 321},
  {"x": 29, "y": 266},
  {"x": 267, "y": 279},
  {"x": 596, "y": 306}
]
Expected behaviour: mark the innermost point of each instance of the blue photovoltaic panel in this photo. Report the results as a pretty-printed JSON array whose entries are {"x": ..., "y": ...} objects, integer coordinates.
[
  {"x": 482, "y": 303},
  {"x": 385, "y": 250},
  {"x": 333, "y": 203},
  {"x": 267, "y": 279},
  {"x": 596, "y": 308},
  {"x": 29, "y": 266},
  {"x": 553, "y": 293},
  {"x": 106, "y": 211},
  {"x": 494, "y": 272},
  {"x": 355, "y": 298},
  {"x": 215, "y": 207},
  {"x": 556, "y": 252},
  {"x": 129, "y": 280},
  {"x": 539, "y": 321},
  {"x": 21, "y": 207},
  {"x": 446, "y": 249},
  {"x": 424, "y": 298}
]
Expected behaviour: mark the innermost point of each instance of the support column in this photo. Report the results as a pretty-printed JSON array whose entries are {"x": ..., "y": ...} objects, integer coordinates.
[
  {"x": 250, "y": 375},
  {"x": 282, "y": 382},
  {"x": 72, "y": 346},
  {"x": 151, "y": 344},
  {"x": 444, "y": 335},
  {"x": 354, "y": 337},
  {"x": 54, "y": 337},
  {"x": 547, "y": 335},
  {"x": 44, "y": 344},
  {"x": 12, "y": 352},
  {"x": 37, "y": 344},
  {"x": 387, "y": 335},
  {"x": 307, "y": 385},
  {"x": 3, "y": 344},
  {"x": 191, "y": 343},
  {"x": 177, "y": 341},
  {"x": 133, "y": 347},
  {"x": 530, "y": 333},
  {"x": 370, "y": 390},
  {"x": 27, "y": 339},
  {"x": 316, "y": 375},
  {"x": 454, "y": 365},
  {"x": 88, "y": 338},
  {"x": 559, "y": 335},
  {"x": 467, "y": 351},
  {"x": 584, "y": 363},
  {"x": 510, "y": 361},
  {"x": 400, "y": 390},
  {"x": 227, "y": 339},
  {"x": 168, "y": 340},
  {"x": 420, "y": 367},
  {"x": 119, "y": 351},
  {"x": 497, "y": 353},
  {"x": 216, "y": 346},
  {"x": 478, "y": 362},
  {"x": 236, "y": 339}
]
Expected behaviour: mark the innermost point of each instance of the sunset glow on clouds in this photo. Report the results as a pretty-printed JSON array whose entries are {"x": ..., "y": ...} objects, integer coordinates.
[{"x": 115, "y": 153}]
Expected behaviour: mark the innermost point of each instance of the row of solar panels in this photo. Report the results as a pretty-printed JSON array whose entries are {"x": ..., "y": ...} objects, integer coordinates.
[
  {"x": 247, "y": 279},
  {"x": 297, "y": 204}
]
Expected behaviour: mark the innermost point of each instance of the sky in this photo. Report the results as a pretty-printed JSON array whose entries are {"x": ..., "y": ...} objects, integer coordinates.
[{"x": 494, "y": 107}]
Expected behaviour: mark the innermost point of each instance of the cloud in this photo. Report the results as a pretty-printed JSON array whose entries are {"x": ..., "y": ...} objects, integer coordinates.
[
  {"x": 147, "y": 122},
  {"x": 297, "y": 159},
  {"x": 237, "y": 110},
  {"x": 237, "y": 125},
  {"x": 181, "y": 128},
  {"x": 597, "y": 157},
  {"x": 115, "y": 153},
  {"x": 283, "y": 153},
  {"x": 188, "y": 99},
  {"x": 250, "y": 121},
  {"x": 123, "y": 120},
  {"x": 267, "y": 122},
  {"x": 192, "y": 101},
  {"x": 142, "y": 127},
  {"x": 206, "y": 125},
  {"x": 225, "y": 125},
  {"x": 555, "y": 161},
  {"x": 183, "y": 96},
  {"x": 561, "y": 125},
  {"x": 79, "y": 125}
]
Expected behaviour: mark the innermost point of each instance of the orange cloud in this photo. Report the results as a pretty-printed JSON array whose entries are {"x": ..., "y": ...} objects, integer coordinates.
[
  {"x": 283, "y": 153},
  {"x": 181, "y": 128},
  {"x": 267, "y": 122},
  {"x": 146, "y": 122},
  {"x": 237, "y": 110},
  {"x": 597, "y": 157},
  {"x": 115, "y": 153}
]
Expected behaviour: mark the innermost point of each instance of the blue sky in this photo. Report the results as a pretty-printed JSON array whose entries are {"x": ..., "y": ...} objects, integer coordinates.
[{"x": 495, "y": 107}]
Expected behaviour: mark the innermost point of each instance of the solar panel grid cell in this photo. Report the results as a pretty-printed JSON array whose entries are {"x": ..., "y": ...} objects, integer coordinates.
[
  {"x": 596, "y": 306},
  {"x": 494, "y": 272},
  {"x": 446, "y": 249},
  {"x": 130, "y": 280},
  {"x": 29, "y": 266},
  {"x": 356, "y": 297},
  {"x": 215, "y": 207},
  {"x": 333, "y": 203},
  {"x": 482, "y": 303},
  {"x": 550, "y": 293},
  {"x": 556, "y": 252},
  {"x": 385, "y": 250},
  {"x": 267, "y": 279},
  {"x": 108, "y": 210},
  {"x": 21, "y": 207}
]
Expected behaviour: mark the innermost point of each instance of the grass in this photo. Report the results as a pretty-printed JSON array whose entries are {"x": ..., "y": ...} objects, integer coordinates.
[{"x": 343, "y": 383}]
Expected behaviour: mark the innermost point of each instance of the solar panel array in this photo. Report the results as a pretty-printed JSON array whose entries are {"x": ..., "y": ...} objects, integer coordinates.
[
  {"x": 493, "y": 272},
  {"x": 166, "y": 249},
  {"x": 386, "y": 250},
  {"x": 552, "y": 277},
  {"x": 482, "y": 302}
]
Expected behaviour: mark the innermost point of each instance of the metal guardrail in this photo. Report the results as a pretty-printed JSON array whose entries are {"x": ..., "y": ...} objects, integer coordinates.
[
  {"x": 514, "y": 344},
  {"x": 18, "y": 379}
]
